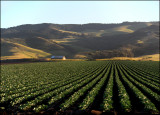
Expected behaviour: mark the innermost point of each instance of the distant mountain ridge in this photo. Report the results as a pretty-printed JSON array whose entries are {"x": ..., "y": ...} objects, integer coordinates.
[{"x": 80, "y": 41}]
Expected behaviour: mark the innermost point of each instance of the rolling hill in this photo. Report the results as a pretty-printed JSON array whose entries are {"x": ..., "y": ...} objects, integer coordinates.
[
  {"x": 17, "y": 51},
  {"x": 127, "y": 39}
]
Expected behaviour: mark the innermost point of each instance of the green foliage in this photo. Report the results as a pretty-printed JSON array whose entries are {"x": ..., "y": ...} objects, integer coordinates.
[
  {"x": 39, "y": 86},
  {"x": 123, "y": 95}
]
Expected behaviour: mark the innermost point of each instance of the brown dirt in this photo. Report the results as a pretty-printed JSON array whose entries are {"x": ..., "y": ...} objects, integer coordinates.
[{"x": 76, "y": 112}]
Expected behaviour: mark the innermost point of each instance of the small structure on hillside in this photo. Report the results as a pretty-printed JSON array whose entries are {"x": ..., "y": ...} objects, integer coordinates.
[{"x": 58, "y": 57}]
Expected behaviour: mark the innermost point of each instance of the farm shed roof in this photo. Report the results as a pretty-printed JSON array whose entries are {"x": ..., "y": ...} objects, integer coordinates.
[{"x": 59, "y": 57}]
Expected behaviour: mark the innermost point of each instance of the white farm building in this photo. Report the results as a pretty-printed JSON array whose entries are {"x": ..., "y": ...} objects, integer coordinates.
[{"x": 58, "y": 57}]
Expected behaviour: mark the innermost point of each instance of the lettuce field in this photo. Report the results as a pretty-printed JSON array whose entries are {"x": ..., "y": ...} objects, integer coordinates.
[{"x": 106, "y": 86}]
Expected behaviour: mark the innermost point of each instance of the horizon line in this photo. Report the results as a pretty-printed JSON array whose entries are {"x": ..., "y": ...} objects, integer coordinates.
[{"x": 79, "y": 24}]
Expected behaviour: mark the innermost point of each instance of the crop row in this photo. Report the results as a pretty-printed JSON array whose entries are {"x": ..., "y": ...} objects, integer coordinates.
[
  {"x": 63, "y": 85},
  {"x": 148, "y": 105},
  {"x": 32, "y": 92},
  {"x": 57, "y": 95}
]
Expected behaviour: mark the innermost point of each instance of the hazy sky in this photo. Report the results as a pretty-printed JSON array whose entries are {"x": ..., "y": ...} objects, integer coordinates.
[{"x": 15, "y": 13}]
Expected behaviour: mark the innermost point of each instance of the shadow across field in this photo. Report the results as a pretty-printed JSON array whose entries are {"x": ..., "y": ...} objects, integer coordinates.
[{"x": 21, "y": 61}]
